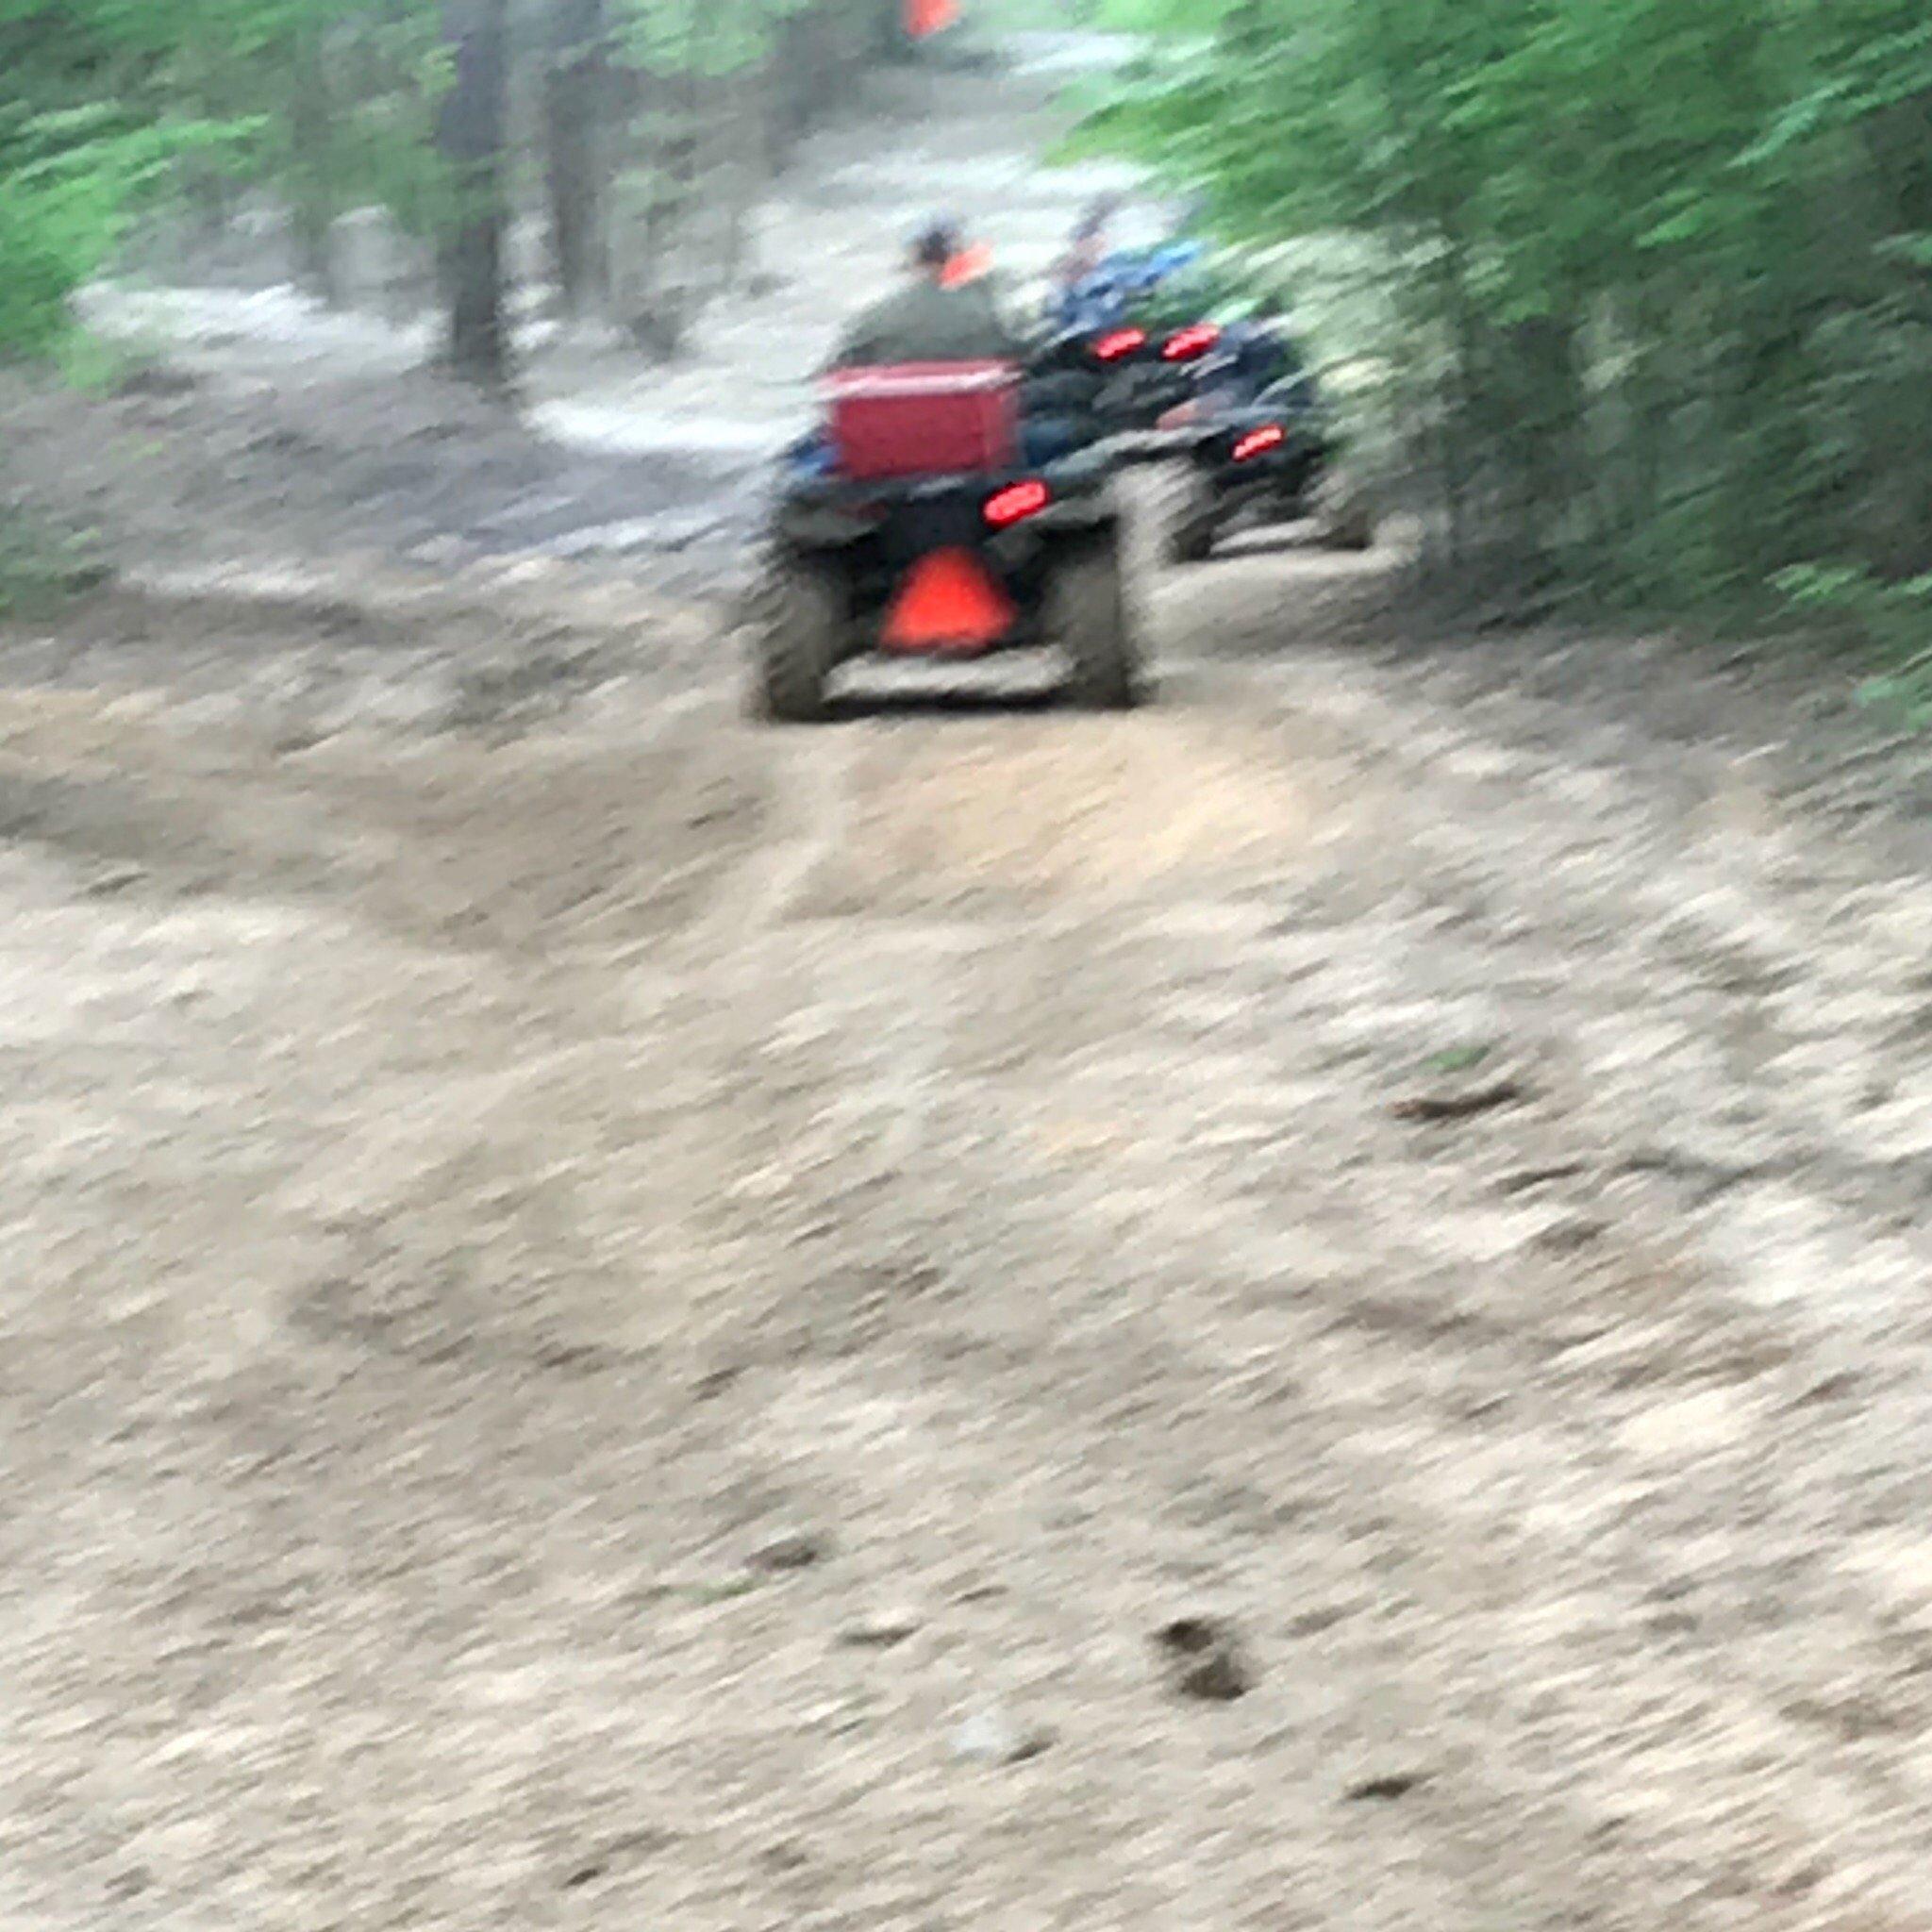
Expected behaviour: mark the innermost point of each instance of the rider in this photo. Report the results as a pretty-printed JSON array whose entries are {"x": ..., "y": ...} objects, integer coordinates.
[
  {"x": 1087, "y": 249},
  {"x": 942, "y": 315},
  {"x": 934, "y": 318}
]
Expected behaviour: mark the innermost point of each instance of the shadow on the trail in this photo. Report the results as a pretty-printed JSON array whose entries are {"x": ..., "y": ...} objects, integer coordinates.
[
  {"x": 950, "y": 702},
  {"x": 1012, "y": 685},
  {"x": 965, "y": 700}
]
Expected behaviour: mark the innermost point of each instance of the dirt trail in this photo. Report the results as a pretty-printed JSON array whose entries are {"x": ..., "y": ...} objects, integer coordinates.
[
  {"x": 604, "y": 1307},
  {"x": 612, "y": 1319}
]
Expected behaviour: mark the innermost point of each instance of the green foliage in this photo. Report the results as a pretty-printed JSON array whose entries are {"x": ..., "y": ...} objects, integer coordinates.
[
  {"x": 1892, "y": 622},
  {"x": 40, "y": 568},
  {"x": 97, "y": 365},
  {"x": 88, "y": 127},
  {"x": 331, "y": 104},
  {"x": 68, "y": 181},
  {"x": 708, "y": 37},
  {"x": 1656, "y": 275}
]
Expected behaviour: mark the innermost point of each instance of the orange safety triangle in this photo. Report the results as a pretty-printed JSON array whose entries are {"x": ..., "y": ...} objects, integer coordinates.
[
  {"x": 924, "y": 18},
  {"x": 948, "y": 602}
]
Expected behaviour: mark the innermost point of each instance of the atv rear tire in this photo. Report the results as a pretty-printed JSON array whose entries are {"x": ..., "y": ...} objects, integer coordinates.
[
  {"x": 798, "y": 619},
  {"x": 1345, "y": 515},
  {"x": 1192, "y": 521},
  {"x": 1094, "y": 625}
]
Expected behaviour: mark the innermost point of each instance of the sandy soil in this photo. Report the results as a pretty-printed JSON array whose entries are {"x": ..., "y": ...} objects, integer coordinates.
[
  {"x": 614, "y": 1319},
  {"x": 1305, "y": 1310}
]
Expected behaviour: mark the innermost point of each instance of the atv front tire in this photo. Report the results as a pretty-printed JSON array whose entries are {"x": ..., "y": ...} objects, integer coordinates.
[
  {"x": 798, "y": 620},
  {"x": 1094, "y": 625}
]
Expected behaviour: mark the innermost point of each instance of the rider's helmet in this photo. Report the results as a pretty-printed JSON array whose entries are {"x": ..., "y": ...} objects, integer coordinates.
[{"x": 936, "y": 241}]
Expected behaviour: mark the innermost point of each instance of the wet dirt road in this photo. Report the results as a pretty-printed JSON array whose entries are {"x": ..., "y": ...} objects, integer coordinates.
[{"x": 616, "y": 1320}]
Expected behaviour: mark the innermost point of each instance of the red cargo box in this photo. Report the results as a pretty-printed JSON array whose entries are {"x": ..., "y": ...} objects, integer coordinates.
[{"x": 924, "y": 419}]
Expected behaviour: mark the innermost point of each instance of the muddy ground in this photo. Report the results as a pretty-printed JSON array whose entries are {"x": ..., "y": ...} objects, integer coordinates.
[{"x": 613, "y": 1319}]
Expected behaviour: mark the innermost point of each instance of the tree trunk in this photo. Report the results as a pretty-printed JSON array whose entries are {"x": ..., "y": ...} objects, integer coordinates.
[
  {"x": 313, "y": 131},
  {"x": 574, "y": 105},
  {"x": 471, "y": 137}
]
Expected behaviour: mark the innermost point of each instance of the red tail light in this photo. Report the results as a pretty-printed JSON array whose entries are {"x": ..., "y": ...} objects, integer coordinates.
[
  {"x": 1120, "y": 341},
  {"x": 1259, "y": 442},
  {"x": 1186, "y": 343},
  {"x": 1017, "y": 501}
]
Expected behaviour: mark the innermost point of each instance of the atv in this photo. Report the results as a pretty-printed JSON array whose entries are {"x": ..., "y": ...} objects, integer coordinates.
[
  {"x": 1267, "y": 454},
  {"x": 920, "y": 529},
  {"x": 1134, "y": 331}
]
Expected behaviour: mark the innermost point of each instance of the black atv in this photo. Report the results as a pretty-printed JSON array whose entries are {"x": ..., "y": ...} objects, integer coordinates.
[
  {"x": 926, "y": 532},
  {"x": 1125, "y": 374},
  {"x": 1258, "y": 454}
]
